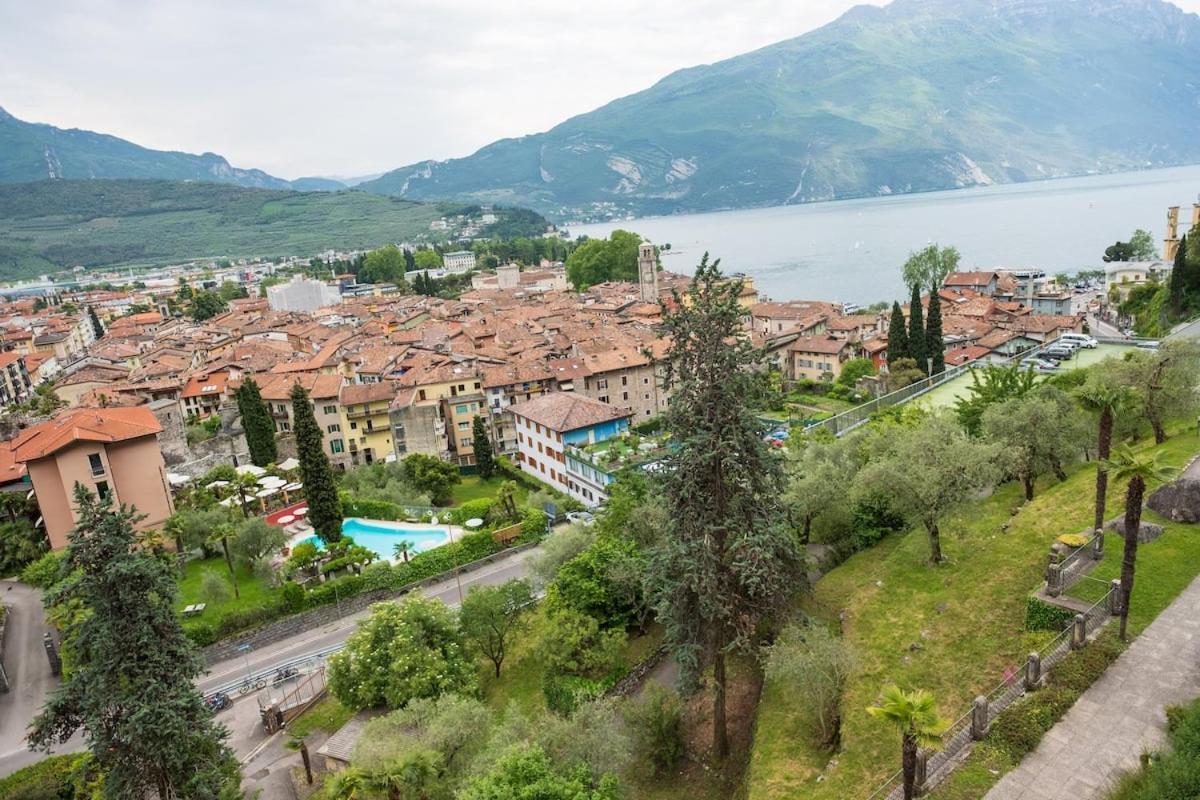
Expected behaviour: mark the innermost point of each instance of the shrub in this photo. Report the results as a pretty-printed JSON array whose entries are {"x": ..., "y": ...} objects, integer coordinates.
[
  {"x": 1041, "y": 616},
  {"x": 242, "y": 618},
  {"x": 53, "y": 778},
  {"x": 816, "y": 664},
  {"x": 378, "y": 576},
  {"x": 566, "y": 693},
  {"x": 45, "y": 572},
  {"x": 215, "y": 587},
  {"x": 293, "y": 597},
  {"x": 576, "y": 644},
  {"x": 533, "y": 524},
  {"x": 370, "y": 509},
  {"x": 874, "y": 518},
  {"x": 657, "y": 723},
  {"x": 201, "y": 633},
  {"x": 471, "y": 509}
]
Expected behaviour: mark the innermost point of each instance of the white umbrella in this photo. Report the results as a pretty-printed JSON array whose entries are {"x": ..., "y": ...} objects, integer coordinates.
[
  {"x": 289, "y": 464},
  {"x": 267, "y": 492},
  {"x": 291, "y": 487},
  {"x": 217, "y": 484},
  {"x": 250, "y": 469}
]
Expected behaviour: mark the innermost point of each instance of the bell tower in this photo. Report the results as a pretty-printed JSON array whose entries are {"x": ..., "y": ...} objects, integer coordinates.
[
  {"x": 1171, "y": 243},
  {"x": 648, "y": 272}
]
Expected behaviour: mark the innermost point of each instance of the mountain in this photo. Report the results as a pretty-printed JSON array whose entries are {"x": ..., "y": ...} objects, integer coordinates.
[
  {"x": 53, "y": 225},
  {"x": 918, "y": 95},
  {"x": 33, "y": 152}
]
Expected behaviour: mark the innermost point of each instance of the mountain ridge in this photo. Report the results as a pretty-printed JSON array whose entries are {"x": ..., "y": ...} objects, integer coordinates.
[{"x": 913, "y": 96}]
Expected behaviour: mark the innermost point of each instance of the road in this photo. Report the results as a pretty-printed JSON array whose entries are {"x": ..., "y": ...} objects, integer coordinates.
[{"x": 30, "y": 672}]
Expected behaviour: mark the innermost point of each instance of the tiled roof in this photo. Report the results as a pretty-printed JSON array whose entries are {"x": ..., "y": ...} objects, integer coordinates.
[
  {"x": 968, "y": 278},
  {"x": 356, "y": 393},
  {"x": 825, "y": 344},
  {"x": 84, "y": 425},
  {"x": 567, "y": 411}
]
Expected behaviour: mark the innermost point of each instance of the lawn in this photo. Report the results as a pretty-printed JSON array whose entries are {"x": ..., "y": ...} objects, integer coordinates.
[
  {"x": 953, "y": 629},
  {"x": 473, "y": 487},
  {"x": 253, "y": 591},
  {"x": 327, "y": 716}
]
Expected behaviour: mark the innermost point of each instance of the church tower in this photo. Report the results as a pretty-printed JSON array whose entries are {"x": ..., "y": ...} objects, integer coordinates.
[{"x": 648, "y": 273}]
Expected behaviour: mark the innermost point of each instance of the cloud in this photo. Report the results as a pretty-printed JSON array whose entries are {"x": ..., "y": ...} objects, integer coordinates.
[{"x": 302, "y": 87}]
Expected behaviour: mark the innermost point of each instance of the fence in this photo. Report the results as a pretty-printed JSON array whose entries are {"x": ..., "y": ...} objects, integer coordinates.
[
  {"x": 1065, "y": 570},
  {"x": 936, "y": 763}
]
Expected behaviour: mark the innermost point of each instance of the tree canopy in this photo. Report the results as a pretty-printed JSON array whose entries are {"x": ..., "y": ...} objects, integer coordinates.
[
  {"x": 257, "y": 423},
  {"x": 599, "y": 260},
  {"x": 930, "y": 266}
]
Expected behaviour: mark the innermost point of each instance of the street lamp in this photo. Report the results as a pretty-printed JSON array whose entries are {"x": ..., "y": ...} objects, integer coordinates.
[
  {"x": 244, "y": 649},
  {"x": 450, "y": 533}
]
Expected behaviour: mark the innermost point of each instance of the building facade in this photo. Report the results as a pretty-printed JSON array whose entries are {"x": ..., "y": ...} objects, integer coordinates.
[{"x": 302, "y": 294}]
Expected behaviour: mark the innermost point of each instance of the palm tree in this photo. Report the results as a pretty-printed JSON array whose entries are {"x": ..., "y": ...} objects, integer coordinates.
[
  {"x": 350, "y": 784},
  {"x": 1107, "y": 399},
  {"x": 412, "y": 778},
  {"x": 505, "y": 498},
  {"x": 222, "y": 533},
  {"x": 242, "y": 484},
  {"x": 401, "y": 549},
  {"x": 1137, "y": 468},
  {"x": 914, "y": 715}
]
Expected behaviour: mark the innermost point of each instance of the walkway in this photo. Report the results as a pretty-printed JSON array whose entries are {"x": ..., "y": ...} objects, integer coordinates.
[{"x": 1119, "y": 717}]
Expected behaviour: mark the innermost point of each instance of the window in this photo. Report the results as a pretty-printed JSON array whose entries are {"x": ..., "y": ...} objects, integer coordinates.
[
  {"x": 540, "y": 450},
  {"x": 330, "y": 409},
  {"x": 462, "y": 426},
  {"x": 281, "y": 408},
  {"x": 520, "y": 437},
  {"x": 421, "y": 394},
  {"x": 476, "y": 385},
  {"x": 353, "y": 425},
  {"x": 102, "y": 489},
  {"x": 645, "y": 381},
  {"x": 465, "y": 441},
  {"x": 334, "y": 428},
  {"x": 553, "y": 474},
  {"x": 604, "y": 398},
  {"x": 602, "y": 383},
  {"x": 462, "y": 388},
  {"x": 95, "y": 463},
  {"x": 336, "y": 446},
  {"x": 624, "y": 381},
  {"x": 624, "y": 395},
  {"x": 460, "y": 409}
]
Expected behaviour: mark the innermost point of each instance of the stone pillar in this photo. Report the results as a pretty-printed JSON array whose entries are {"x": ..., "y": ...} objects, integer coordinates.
[
  {"x": 1033, "y": 672},
  {"x": 1079, "y": 632},
  {"x": 1098, "y": 545},
  {"x": 1115, "y": 597},
  {"x": 921, "y": 772},
  {"x": 1053, "y": 579},
  {"x": 979, "y": 718}
]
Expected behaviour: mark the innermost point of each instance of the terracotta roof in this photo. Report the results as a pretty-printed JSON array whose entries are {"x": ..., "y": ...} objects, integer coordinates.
[
  {"x": 567, "y": 411},
  {"x": 825, "y": 344},
  {"x": 356, "y": 393},
  {"x": 968, "y": 278},
  {"x": 84, "y": 425},
  {"x": 962, "y": 355},
  {"x": 206, "y": 385},
  {"x": 10, "y": 469}
]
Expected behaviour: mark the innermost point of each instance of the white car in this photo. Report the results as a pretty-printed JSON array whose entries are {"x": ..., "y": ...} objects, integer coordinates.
[
  {"x": 1039, "y": 365},
  {"x": 1077, "y": 340}
]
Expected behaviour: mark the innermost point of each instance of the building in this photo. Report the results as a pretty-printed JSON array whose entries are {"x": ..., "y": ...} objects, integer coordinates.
[
  {"x": 648, "y": 273},
  {"x": 15, "y": 383},
  {"x": 302, "y": 294},
  {"x": 435, "y": 414},
  {"x": 366, "y": 425},
  {"x": 459, "y": 261},
  {"x": 113, "y": 452},
  {"x": 553, "y": 433},
  {"x": 323, "y": 391},
  {"x": 983, "y": 283},
  {"x": 1123, "y": 276},
  {"x": 205, "y": 393},
  {"x": 818, "y": 358}
]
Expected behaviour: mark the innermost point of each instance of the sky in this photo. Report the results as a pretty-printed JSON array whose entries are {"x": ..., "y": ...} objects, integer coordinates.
[{"x": 353, "y": 87}]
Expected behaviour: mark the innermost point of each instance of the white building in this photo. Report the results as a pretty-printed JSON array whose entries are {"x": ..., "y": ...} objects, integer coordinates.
[
  {"x": 302, "y": 294},
  {"x": 460, "y": 261},
  {"x": 1127, "y": 274}
]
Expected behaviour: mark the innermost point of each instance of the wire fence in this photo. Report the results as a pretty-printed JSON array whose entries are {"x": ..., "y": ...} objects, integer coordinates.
[{"x": 961, "y": 732}]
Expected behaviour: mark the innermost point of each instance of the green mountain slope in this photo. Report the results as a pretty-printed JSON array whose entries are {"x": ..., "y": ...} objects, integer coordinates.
[
  {"x": 918, "y": 95},
  {"x": 33, "y": 152},
  {"x": 53, "y": 225}
]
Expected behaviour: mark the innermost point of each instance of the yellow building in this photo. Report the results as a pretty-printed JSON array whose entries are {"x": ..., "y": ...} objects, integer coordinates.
[
  {"x": 435, "y": 412},
  {"x": 366, "y": 424}
]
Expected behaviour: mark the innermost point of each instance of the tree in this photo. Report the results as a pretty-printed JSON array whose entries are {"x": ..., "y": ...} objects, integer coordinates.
[
  {"x": 1164, "y": 382},
  {"x": 1118, "y": 251},
  {"x": 817, "y": 480},
  {"x": 916, "y": 331},
  {"x": 914, "y": 715},
  {"x": 816, "y": 664},
  {"x": 854, "y": 369},
  {"x": 450, "y": 727},
  {"x": 897, "y": 336},
  {"x": 930, "y": 266},
  {"x": 20, "y": 543},
  {"x": 1103, "y": 396},
  {"x": 990, "y": 385},
  {"x": 1033, "y": 436},
  {"x": 1141, "y": 246},
  {"x": 97, "y": 328},
  {"x": 657, "y": 722},
  {"x": 1178, "y": 286},
  {"x": 591, "y": 582},
  {"x": 257, "y": 423},
  {"x": 600, "y": 260},
  {"x": 526, "y": 772},
  {"x": 192, "y": 527},
  {"x": 928, "y": 470},
  {"x": 482, "y": 446},
  {"x": 903, "y": 372},
  {"x": 221, "y": 534},
  {"x": 385, "y": 265},
  {"x": 725, "y": 563},
  {"x": 935, "y": 345},
  {"x": 1136, "y": 468},
  {"x": 320, "y": 489},
  {"x": 256, "y": 539},
  {"x": 231, "y": 290},
  {"x": 206, "y": 305},
  {"x": 131, "y": 687},
  {"x": 403, "y": 651},
  {"x": 401, "y": 549},
  {"x": 491, "y": 615},
  {"x": 427, "y": 259},
  {"x": 432, "y": 475}
]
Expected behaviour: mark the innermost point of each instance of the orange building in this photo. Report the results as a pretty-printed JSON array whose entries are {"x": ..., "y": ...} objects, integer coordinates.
[{"x": 111, "y": 451}]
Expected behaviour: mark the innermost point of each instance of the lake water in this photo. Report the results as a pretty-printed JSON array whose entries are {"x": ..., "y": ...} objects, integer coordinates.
[{"x": 852, "y": 250}]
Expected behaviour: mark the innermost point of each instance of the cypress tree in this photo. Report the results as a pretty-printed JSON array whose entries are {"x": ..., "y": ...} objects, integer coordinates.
[
  {"x": 897, "y": 335},
  {"x": 131, "y": 687},
  {"x": 916, "y": 330},
  {"x": 257, "y": 423},
  {"x": 484, "y": 461},
  {"x": 1188, "y": 271},
  {"x": 935, "y": 346},
  {"x": 97, "y": 328},
  {"x": 320, "y": 489}
]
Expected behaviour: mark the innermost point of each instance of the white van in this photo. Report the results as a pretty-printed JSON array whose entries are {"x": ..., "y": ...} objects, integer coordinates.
[{"x": 1077, "y": 339}]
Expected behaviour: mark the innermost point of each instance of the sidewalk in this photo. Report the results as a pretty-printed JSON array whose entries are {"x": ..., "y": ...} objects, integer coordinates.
[{"x": 1119, "y": 717}]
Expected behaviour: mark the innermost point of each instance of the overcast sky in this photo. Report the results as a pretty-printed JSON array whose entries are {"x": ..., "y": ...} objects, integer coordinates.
[{"x": 350, "y": 87}]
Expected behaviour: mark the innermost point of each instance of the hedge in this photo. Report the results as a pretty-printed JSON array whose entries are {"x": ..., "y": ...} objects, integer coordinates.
[
  {"x": 1172, "y": 774},
  {"x": 53, "y": 778},
  {"x": 1042, "y": 616},
  {"x": 371, "y": 509}
]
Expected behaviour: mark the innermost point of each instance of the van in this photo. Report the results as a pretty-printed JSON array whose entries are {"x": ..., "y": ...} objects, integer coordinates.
[{"x": 1078, "y": 340}]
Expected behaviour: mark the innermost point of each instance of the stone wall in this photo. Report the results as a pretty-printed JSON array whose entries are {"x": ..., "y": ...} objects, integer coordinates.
[
  {"x": 314, "y": 618},
  {"x": 4, "y": 612}
]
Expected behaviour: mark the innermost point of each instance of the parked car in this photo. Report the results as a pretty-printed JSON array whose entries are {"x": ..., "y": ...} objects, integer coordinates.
[
  {"x": 1148, "y": 345},
  {"x": 1039, "y": 364},
  {"x": 581, "y": 516},
  {"x": 1059, "y": 351},
  {"x": 1077, "y": 339}
]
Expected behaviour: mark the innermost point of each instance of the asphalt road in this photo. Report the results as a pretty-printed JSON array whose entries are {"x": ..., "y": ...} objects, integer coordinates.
[{"x": 29, "y": 670}]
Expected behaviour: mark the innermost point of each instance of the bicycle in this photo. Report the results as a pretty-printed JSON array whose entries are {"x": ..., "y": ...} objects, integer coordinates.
[{"x": 248, "y": 686}]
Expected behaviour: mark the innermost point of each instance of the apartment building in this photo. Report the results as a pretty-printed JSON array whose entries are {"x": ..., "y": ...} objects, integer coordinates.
[
  {"x": 436, "y": 417},
  {"x": 323, "y": 393},
  {"x": 114, "y": 452},
  {"x": 819, "y": 358},
  {"x": 366, "y": 421},
  {"x": 629, "y": 378},
  {"x": 15, "y": 383},
  {"x": 507, "y": 385},
  {"x": 205, "y": 393}
]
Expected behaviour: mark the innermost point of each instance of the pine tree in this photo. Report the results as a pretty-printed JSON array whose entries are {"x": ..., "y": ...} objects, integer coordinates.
[
  {"x": 935, "y": 345},
  {"x": 725, "y": 563},
  {"x": 916, "y": 331},
  {"x": 97, "y": 328},
  {"x": 320, "y": 488},
  {"x": 131, "y": 687},
  {"x": 484, "y": 461},
  {"x": 897, "y": 336},
  {"x": 257, "y": 423}
]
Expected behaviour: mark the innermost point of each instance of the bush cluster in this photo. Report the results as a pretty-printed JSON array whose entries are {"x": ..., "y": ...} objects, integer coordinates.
[
  {"x": 56, "y": 777},
  {"x": 1041, "y": 616}
]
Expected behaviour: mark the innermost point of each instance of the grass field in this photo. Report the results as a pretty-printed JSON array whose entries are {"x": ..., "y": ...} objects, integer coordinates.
[
  {"x": 953, "y": 630},
  {"x": 327, "y": 716},
  {"x": 473, "y": 487},
  {"x": 252, "y": 590}
]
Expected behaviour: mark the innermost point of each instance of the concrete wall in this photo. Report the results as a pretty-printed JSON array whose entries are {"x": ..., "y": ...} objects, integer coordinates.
[{"x": 140, "y": 478}]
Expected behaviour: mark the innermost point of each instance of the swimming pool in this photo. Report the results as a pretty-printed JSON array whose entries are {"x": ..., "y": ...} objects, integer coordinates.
[{"x": 381, "y": 537}]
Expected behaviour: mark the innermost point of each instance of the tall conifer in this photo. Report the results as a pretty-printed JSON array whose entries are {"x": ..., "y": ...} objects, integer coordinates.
[
  {"x": 320, "y": 488},
  {"x": 257, "y": 423},
  {"x": 935, "y": 345},
  {"x": 916, "y": 330},
  {"x": 897, "y": 336}
]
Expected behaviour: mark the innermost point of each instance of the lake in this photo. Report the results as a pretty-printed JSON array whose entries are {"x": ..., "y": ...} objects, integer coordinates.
[{"x": 852, "y": 250}]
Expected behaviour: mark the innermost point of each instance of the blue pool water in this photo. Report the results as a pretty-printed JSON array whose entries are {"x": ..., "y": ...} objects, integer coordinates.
[{"x": 381, "y": 537}]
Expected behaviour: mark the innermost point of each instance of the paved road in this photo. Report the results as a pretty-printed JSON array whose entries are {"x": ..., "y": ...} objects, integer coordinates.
[
  {"x": 1119, "y": 717},
  {"x": 246, "y": 733}
]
